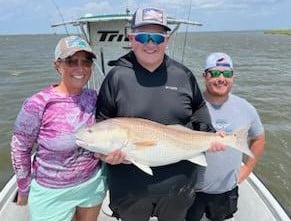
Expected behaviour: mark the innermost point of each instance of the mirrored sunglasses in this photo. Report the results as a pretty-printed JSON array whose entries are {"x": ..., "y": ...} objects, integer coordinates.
[
  {"x": 145, "y": 37},
  {"x": 217, "y": 73}
]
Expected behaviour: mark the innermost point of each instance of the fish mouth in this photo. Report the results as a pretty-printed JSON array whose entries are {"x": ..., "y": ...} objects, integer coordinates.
[{"x": 81, "y": 143}]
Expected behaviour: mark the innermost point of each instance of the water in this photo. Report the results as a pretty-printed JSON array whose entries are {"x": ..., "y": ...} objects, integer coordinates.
[{"x": 262, "y": 63}]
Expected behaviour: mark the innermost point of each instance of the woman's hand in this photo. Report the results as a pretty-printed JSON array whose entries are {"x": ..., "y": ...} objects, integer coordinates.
[
  {"x": 21, "y": 200},
  {"x": 113, "y": 158}
]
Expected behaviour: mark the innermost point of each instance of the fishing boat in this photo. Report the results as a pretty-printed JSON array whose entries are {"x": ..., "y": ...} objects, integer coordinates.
[{"x": 256, "y": 202}]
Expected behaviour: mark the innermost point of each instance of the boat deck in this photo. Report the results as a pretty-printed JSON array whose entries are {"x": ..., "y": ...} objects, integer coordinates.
[{"x": 256, "y": 203}]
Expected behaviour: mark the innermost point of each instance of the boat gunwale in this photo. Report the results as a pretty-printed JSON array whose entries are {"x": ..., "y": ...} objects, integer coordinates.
[
  {"x": 268, "y": 198},
  {"x": 7, "y": 192}
]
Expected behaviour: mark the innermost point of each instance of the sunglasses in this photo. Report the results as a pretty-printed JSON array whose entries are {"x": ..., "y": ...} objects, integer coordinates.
[
  {"x": 145, "y": 37},
  {"x": 75, "y": 62},
  {"x": 217, "y": 73}
]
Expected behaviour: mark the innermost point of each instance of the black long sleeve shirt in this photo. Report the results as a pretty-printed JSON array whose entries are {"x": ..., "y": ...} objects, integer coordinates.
[{"x": 169, "y": 95}]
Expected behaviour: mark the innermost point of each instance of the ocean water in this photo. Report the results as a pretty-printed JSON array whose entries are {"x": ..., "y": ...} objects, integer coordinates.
[{"x": 263, "y": 76}]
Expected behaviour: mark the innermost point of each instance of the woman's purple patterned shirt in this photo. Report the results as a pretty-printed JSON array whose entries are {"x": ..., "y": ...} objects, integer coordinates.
[{"x": 48, "y": 120}]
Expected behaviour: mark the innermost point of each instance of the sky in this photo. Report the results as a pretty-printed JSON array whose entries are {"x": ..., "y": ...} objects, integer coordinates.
[{"x": 37, "y": 16}]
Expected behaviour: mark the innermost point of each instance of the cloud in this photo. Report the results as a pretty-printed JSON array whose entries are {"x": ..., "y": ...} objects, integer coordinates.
[
  {"x": 11, "y": 2},
  {"x": 18, "y": 9},
  {"x": 89, "y": 7},
  {"x": 215, "y": 4},
  {"x": 36, "y": 16}
]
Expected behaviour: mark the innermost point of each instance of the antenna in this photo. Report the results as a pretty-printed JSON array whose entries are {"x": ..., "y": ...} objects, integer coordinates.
[
  {"x": 61, "y": 15},
  {"x": 127, "y": 10},
  {"x": 186, "y": 33}
]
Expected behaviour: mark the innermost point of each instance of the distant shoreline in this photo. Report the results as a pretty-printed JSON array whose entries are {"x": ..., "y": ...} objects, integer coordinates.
[
  {"x": 281, "y": 32},
  {"x": 274, "y": 31},
  {"x": 64, "y": 34}
]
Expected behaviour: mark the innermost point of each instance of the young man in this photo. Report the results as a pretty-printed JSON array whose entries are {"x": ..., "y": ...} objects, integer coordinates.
[
  {"x": 217, "y": 184},
  {"x": 148, "y": 84}
]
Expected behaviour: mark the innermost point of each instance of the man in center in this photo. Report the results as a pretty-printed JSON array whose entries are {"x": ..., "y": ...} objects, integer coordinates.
[{"x": 146, "y": 83}]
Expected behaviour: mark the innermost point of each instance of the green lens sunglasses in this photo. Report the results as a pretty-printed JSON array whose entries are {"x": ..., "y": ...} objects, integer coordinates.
[{"x": 217, "y": 73}]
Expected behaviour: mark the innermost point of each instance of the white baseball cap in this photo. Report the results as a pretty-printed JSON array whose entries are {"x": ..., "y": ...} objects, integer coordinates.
[{"x": 218, "y": 59}]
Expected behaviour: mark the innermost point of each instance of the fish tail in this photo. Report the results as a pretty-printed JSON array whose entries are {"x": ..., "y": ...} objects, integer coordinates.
[{"x": 242, "y": 141}]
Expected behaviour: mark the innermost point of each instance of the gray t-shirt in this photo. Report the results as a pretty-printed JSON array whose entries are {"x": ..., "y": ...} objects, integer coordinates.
[{"x": 222, "y": 171}]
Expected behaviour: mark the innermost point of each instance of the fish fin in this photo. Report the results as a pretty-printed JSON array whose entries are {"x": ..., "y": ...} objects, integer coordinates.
[
  {"x": 180, "y": 127},
  {"x": 241, "y": 143},
  {"x": 199, "y": 159},
  {"x": 144, "y": 168}
]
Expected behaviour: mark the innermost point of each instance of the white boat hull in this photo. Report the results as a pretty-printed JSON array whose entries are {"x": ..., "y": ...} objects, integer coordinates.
[
  {"x": 8, "y": 209},
  {"x": 256, "y": 203}
]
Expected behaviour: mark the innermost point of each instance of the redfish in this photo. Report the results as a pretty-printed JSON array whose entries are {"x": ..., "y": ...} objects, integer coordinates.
[{"x": 148, "y": 144}]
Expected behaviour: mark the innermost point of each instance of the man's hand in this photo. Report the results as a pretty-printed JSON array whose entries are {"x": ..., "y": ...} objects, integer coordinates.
[
  {"x": 244, "y": 172},
  {"x": 216, "y": 146}
]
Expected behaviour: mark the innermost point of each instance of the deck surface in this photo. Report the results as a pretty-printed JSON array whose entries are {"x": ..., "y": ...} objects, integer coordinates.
[{"x": 252, "y": 205}]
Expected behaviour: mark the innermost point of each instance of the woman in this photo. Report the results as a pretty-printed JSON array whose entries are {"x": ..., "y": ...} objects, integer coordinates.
[{"x": 64, "y": 181}]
